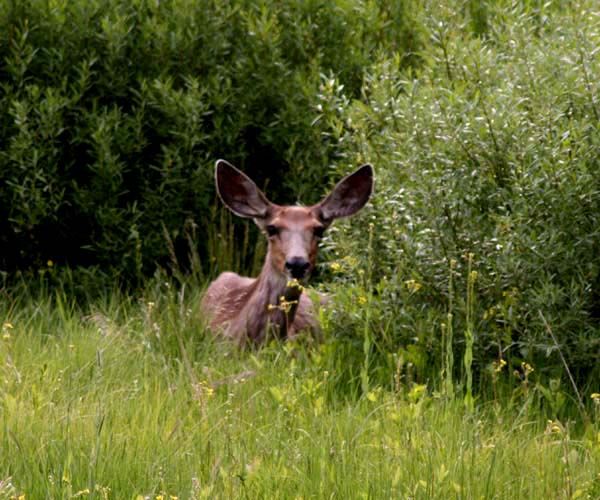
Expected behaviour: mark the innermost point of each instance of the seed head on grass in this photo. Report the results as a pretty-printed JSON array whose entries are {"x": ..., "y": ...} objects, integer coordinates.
[
  {"x": 554, "y": 427},
  {"x": 6, "y": 328}
]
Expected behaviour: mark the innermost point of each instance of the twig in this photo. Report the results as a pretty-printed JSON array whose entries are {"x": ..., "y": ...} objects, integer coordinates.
[
  {"x": 237, "y": 378},
  {"x": 564, "y": 361}
]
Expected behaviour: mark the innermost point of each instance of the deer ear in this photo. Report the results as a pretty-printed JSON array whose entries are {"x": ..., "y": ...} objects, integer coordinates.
[
  {"x": 239, "y": 193},
  {"x": 348, "y": 196}
]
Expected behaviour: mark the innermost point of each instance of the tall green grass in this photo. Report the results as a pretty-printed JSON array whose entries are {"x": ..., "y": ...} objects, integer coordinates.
[{"x": 130, "y": 398}]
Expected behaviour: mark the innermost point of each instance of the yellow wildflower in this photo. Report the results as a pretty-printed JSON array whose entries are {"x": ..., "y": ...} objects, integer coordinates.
[
  {"x": 413, "y": 285},
  {"x": 527, "y": 368},
  {"x": 294, "y": 283},
  {"x": 498, "y": 365},
  {"x": 336, "y": 267},
  {"x": 6, "y": 327}
]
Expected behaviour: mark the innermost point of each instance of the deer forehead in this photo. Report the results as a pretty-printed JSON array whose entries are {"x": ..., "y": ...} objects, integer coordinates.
[{"x": 295, "y": 219}]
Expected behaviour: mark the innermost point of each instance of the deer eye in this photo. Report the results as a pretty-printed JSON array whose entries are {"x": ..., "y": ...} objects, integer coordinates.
[
  {"x": 272, "y": 230},
  {"x": 319, "y": 231}
]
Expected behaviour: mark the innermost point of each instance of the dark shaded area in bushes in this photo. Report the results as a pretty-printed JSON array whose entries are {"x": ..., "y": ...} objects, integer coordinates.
[{"x": 113, "y": 112}]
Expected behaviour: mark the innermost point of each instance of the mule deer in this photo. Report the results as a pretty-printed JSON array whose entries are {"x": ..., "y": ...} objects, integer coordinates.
[{"x": 245, "y": 309}]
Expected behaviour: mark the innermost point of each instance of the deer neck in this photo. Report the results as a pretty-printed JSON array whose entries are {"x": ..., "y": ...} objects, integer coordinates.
[{"x": 275, "y": 304}]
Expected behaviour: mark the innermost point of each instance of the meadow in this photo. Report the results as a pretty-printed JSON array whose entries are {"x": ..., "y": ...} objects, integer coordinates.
[{"x": 132, "y": 400}]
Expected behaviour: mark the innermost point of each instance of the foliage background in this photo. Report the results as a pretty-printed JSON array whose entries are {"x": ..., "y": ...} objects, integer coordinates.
[
  {"x": 481, "y": 118},
  {"x": 113, "y": 113}
]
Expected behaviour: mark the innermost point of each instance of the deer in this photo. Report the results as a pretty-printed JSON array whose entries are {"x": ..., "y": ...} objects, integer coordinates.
[{"x": 250, "y": 310}]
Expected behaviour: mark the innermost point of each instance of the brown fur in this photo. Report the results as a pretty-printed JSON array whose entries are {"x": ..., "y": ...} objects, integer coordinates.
[{"x": 250, "y": 309}]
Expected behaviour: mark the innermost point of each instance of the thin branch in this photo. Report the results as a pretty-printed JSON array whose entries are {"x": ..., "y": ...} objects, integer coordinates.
[{"x": 564, "y": 361}]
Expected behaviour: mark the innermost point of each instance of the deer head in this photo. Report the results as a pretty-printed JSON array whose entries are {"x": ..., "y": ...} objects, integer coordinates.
[{"x": 293, "y": 232}]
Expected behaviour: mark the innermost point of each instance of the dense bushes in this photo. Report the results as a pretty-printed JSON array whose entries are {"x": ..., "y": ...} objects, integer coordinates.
[
  {"x": 112, "y": 114},
  {"x": 488, "y": 175}
]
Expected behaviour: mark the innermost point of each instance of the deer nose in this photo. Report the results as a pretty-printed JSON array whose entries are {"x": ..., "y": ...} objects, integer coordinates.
[{"x": 297, "y": 267}]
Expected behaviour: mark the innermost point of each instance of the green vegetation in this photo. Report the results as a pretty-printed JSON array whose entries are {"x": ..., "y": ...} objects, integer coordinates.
[
  {"x": 113, "y": 112},
  {"x": 488, "y": 190},
  {"x": 461, "y": 355},
  {"x": 130, "y": 399}
]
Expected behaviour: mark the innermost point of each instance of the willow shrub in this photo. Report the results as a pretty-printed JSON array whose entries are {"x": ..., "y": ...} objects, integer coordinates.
[
  {"x": 488, "y": 175},
  {"x": 113, "y": 112}
]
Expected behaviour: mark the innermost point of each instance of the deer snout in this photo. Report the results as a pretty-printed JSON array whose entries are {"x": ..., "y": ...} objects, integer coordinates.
[{"x": 297, "y": 267}]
